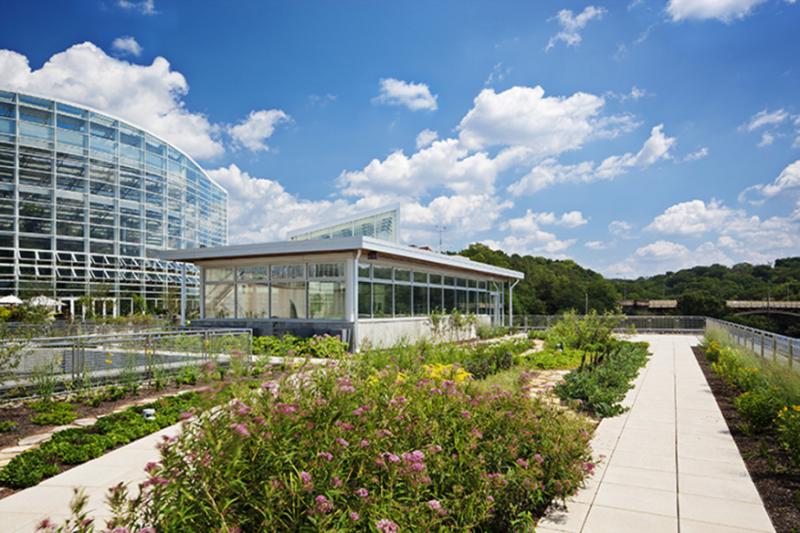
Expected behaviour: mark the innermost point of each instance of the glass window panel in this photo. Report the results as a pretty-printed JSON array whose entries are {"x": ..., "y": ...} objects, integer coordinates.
[
  {"x": 364, "y": 299},
  {"x": 402, "y": 300},
  {"x": 288, "y": 271},
  {"x": 252, "y": 300},
  {"x": 326, "y": 299},
  {"x": 36, "y": 131},
  {"x": 219, "y": 274},
  {"x": 401, "y": 274},
  {"x": 461, "y": 282},
  {"x": 449, "y": 280},
  {"x": 420, "y": 277},
  {"x": 381, "y": 272},
  {"x": 420, "y": 300},
  {"x": 7, "y": 126},
  {"x": 326, "y": 270},
  {"x": 382, "y": 300},
  {"x": 436, "y": 299},
  {"x": 472, "y": 302},
  {"x": 449, "y": 300},
  {"x": 288, "y": 299},
  {"x": 436, "y": 279},
  {"x": 363, "y": 271},
  {"x": 7, "y": 110},
  {"x": 71, "y": 123},
  {"x": 461, "y": 301},
  {"x": 254, "y": 273},
  {"x": 38, "y": 116},
  {"x": 219, "y": 300}
]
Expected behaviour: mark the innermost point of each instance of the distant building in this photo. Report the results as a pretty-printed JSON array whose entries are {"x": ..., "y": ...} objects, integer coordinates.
[{"x": 85, "y": 201}]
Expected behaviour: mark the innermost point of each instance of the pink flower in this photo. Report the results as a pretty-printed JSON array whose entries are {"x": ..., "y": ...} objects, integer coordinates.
[
  {"x": 305, "y": 477},
  {"x": 241, "y": 429},
  {"x": 364, "y": 443},
  {"x": 435, "y": 506},
  {"x": 328, "y": 456},
  {"x": 522, "y": 462},
  {"x": 538, "y": 458},
  {"x": 385, "y": 525},
  {"x": 341, "y": 442},
  {"x": 336, "y": 482},
  {"x": 286, "y": 408},
  {"x": 186, "y": 415},
  {"x": 392, "y": 458},
  {"x": 398, "y": 400},
  {"x": 354, "y": 516},
  {"x": 344, "y": 425},
  {"x": 361, "y": 410},
  {"x": 324, "y": 505},
  {"x": 383, "y": 433},
  {"x": 244, "y": 409},
  {"x": 362, "y": 492},
  {"x": 490, "y": 498},
  {"x": 466, "y": 414},
  {"x": 149, "y": 467},
  {"x": 347, "y": 389}
]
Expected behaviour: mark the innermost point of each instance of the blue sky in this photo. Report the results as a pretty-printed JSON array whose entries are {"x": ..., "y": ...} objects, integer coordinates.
[{"x": 633, "y": 137}]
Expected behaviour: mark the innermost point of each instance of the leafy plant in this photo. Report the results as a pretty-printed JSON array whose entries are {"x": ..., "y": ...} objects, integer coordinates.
[
  {"x": 599, "y": 388},
  {"x": 28, "y": 469},
  {"x": 759, "y": 407},
  {"x": 50, "y": 413},
  {"x": 788, "y": 429},
  {"x": 7, "y": 426}
]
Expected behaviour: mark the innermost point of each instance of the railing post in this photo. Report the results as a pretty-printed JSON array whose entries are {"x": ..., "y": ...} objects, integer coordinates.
[
  {"x": 762, "y": 345},
  {"x": 774, "y": 349},
  {"x": 525, "y": 322},
  {"x": 791, "y": 352}
]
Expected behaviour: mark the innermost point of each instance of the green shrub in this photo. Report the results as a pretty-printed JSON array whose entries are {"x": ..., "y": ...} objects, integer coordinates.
[
  {"x": 325, "y": 347},
  {"x": 592, "y": 332},
  {"x": 7, "y": 426},
  {"x": 49, "y": 413},
  {"x": 348, "y": 449},
  {"x": 788, "y": 429},
  {"x": 75, "y": 446},
  {"x": 735, "y": 371},
  {"x": 537, "y": 334},
  {"x": 486, "y": 331},
  {"x": 600, "y": 388},
  {"x": 550, "y": 359},
  {"x": 759, "y": 407},
  {"x": 28, "y": 469},
  {"x": 713, "y": 350}
]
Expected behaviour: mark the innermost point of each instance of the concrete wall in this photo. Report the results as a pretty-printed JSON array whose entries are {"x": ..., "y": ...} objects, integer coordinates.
[{"x": 385, "y": 332}]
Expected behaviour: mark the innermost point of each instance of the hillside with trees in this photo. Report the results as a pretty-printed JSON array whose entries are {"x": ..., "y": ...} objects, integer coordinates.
[{"x": 554, "y": 286}]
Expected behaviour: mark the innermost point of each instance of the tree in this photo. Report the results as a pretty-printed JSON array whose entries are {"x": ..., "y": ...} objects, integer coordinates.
[{"x": 701, "y": 303}]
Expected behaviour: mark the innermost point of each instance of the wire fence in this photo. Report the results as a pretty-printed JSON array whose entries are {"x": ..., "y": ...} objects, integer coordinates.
[
  {"x": 108, "y": 358},
  {"x": 642, "y": 323},
  {"x": 778, "y": 348}
]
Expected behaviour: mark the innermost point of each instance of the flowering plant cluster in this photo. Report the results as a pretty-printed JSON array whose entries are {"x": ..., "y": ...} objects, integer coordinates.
[
  {"x": 351, "y": 448},
  {"x": 788, "y": 426}
]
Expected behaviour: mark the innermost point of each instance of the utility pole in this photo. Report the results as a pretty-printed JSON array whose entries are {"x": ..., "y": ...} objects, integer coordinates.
[{"x": 441, "y": 228}]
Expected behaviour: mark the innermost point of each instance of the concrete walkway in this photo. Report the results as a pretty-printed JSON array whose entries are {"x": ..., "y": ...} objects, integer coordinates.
[
  {"x": 669, "y": 464},
  {"x": 21, "y": 512}
]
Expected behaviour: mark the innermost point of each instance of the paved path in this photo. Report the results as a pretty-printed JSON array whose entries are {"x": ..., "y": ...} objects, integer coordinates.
[
  {"x": 669, "y": 463},
  {"x": 21, "y": 512}
]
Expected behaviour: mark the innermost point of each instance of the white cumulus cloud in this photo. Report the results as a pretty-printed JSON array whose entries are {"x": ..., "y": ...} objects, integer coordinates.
[
  {"x": 692, "y": 218},
  {"x": 414, "y": 96},
  {"x": 425, "y": 138},
  {"x": 724, "y": 10},
  {"x": 549, "y": 172},
  {"x": 571, "y": 25},
  {"x": 127, "y": 46},
  {"x": 145, "y": 7},
  {"x": 253, "y": 131},
  {"x": 150, "y": 96}
]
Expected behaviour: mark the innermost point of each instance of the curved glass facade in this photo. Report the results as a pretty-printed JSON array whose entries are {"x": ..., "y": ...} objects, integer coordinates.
[{"x": 85, "y": 199}]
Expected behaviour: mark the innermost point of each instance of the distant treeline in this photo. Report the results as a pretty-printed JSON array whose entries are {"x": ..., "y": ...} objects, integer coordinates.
[{"x": 554, "y": 286}]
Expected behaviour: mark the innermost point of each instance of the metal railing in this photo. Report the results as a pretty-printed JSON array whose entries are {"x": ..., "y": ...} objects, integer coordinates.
[
  {"x": 769, "y": 346},
  {"x": 642, "y": 323},
  {"x": 107, "y": 358},
  {"x": 64, "y": 328}
]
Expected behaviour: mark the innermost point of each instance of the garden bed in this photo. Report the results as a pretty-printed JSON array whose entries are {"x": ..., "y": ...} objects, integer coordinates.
[
  {"x": 20, "y": 413},
  {"x": 769, "y": 465}
]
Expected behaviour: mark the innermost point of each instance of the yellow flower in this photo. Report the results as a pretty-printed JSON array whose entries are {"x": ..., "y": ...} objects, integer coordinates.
[
  {"x": 108, "y": 361},
  {"x": 795, "y": 408}
]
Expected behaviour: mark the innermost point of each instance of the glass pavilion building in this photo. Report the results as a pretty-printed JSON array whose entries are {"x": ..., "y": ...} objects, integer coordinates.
[{"x": 87, "y": 199}]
